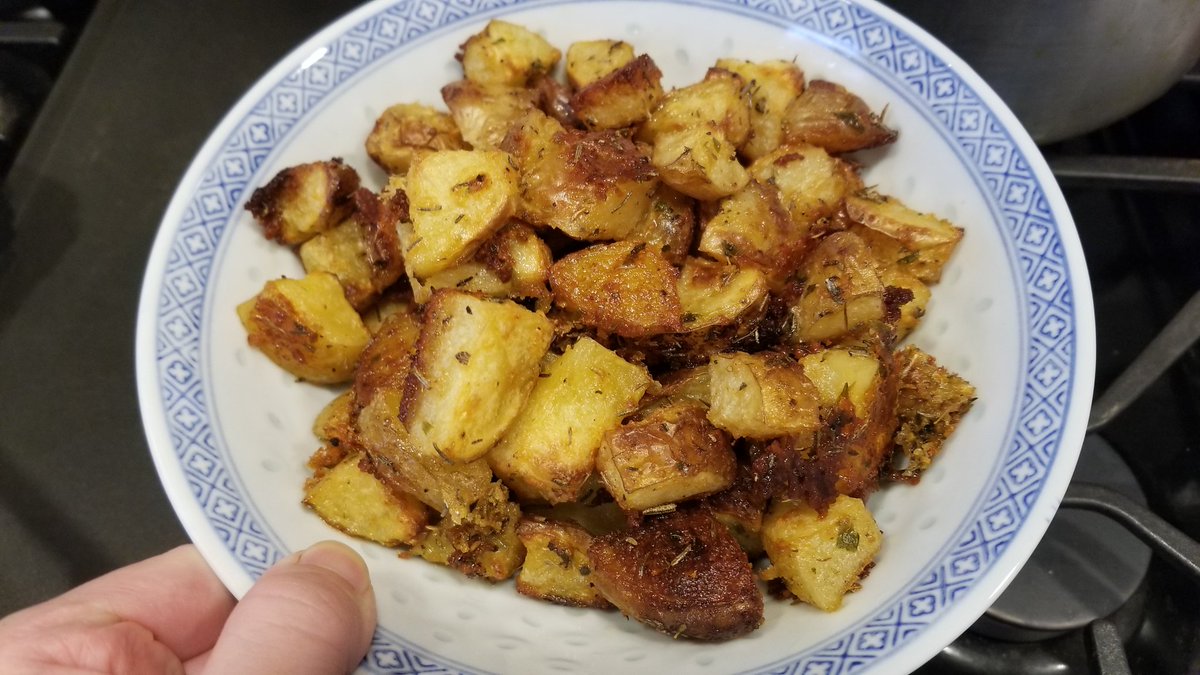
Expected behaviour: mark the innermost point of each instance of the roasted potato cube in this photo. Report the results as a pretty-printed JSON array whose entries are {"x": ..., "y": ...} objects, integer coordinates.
[
  {"x": 483, "y": 113},
  {"x": 513, "y": 263},
  {"x": 917, "y": 243},
  {"x": 364, "y": 252},
  {"x": 355, "y": 502},
  {"x": 909, "y": 312},
  {"x": 476, "y": 362},
  {"x": 718, "y": 102},
  {"x": 549, "y": 451},
  {"x": 458, "y": 198},
  {"x": 811, "y": 183},
  {"x": 671, "y": 455},
  {"x": 820, "y": 559},
  {"x": 484, "y": 544},
  {"x": 557, "y": 568},
  {"x": 404, "y": 468},
  {"x": 682, "y": 574},
  {"x": 383, "y": 366},
  {"x": 931, "y": 402},
  {"x": 303, "y": 200},
  {"x": 590, "y": 60},
  {"x": 761, "y": 396},
  {"x": 622, "y": 98},
  {"x": 838, "y": 373},
  {"x": 752, "y": 229},
  {"x": 669, "y": 224},
  {"x": 828, "y": 116},
  {"x": 335, "y": 428},
  {"x": 699, "y": 162},
  {"x": 716, "y": 294},
  {"x": 507, "y": 54},
  {"x": 407, "y": 131},
  {"x": 772, "y": 86},
  {"x": 591, "y": 185},
  {"x": 625, "y": 288},
  {"x": 307, "y": 327},
  {"x": 841, "y": 291}
]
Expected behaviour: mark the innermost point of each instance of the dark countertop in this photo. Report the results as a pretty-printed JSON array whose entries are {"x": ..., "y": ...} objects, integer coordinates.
[{"x": 145, "y": 84}]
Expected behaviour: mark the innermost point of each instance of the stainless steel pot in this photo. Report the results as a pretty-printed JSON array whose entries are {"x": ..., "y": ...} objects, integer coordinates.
[{"x": 1068, "y": 66}]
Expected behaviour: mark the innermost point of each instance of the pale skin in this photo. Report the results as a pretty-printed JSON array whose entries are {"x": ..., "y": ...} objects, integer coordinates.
[{"x": 313, "y": 612}]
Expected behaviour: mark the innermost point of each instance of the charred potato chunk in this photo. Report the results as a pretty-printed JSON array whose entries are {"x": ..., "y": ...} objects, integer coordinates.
[
  {"x": 718, "y": 102},
  {"x": 761, "y": 396},
  {"x": 590, "y": 60},
  {"x": 335, "y": 429},
  {"x": 625, "y": 288},
  {"x": 740, "y": 508},
  {"x": 483, "y": 113},
  {"x": 821, "y": 558},
  {"x": 682, "y": 574},
  {"x": 917, "y": 243},
  {"x": 355, "y": 502},
  {"x": 476, "y": 362},
  {"x": 909, "y": 309},
  {"x": 507, "y": 54},
  {"x": 549, "y": 452},
  {"x": 828, "y": 116},
  {"x": 557, "y": 568},
  {"x": 364, "y": 252},
  {"x": 669, "y": 456},
  {"x": 622, "y": 98},
  {"x": 307, "y": 327},
  {"x": 302, "y": 201},
  {"x": 772, "y": 86},
  {"x": 931, "y": 402},
  {"x": 699, "y": 162},
  {"x": 484, "y": 544},
  {"x": 841, "y": 291}
]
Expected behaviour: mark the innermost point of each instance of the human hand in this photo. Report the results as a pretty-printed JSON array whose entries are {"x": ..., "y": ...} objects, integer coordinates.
[{"x": 313, "y": 612}]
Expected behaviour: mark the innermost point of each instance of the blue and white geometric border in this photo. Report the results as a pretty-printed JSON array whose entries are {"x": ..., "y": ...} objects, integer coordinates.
[{"x": 170, "y": 370}]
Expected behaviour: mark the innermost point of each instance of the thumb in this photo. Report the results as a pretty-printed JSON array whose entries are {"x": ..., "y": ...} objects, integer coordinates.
[{"x": 313, "y": 612}]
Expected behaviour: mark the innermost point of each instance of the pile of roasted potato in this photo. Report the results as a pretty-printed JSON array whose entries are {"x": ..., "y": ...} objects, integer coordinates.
[{"x": 636, "y": 347}]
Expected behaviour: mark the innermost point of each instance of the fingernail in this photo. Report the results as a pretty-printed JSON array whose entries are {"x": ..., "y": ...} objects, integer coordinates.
[{"x": 339, "y": 559}]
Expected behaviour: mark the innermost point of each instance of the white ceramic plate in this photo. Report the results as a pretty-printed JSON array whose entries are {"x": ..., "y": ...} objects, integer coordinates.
[{"x": 230, "y": 432}]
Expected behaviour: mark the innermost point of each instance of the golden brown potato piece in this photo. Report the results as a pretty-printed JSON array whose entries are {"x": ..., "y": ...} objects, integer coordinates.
[
  {"x": 383, "y": 366},
  {"x": 335, "y": 428},
  {"x": 404, "y": 468},
  {"x": 458, "y": 198},
  {"x": 740, "y": 508},
  {"x": 811, "y": 184},
  {"x": 916, "y": 243},
  {"x": 507, "y": 54},
  {"x": 301, "y": 201},
  {"x": 483, "y": 544},
  {"x": 549, "y": 452},
  {"x": 364, "y": 252},
  {"x": 621, "y": 98},
  {"x": 483, "y": 113},
  {"x": 557, "y": 568},
  {"x": 682, "y": 574},
  {"x": 751, "y": 228},
  {"x": 355, "y": 502},
  {"x": 590, "y": 60},
  {"x": 908, "y": 313},
  {"x": 307, "y": 327},
  {"x": 828, "y": 116},
  {"x": 820, "y": 558},
  {"x": 476, "y": 362},
  {"x": 406, "y": 131},
  {"x": 713, "y": 294},
  {"x": 590, "y": 185},
  {"x": 625, "y": 288},
  {"x": 772, "y": 86},
  {"x": 718, "y": 102},
  {"x": 669, "y": 456},
  {"x": 761, "y": 396},
  {"x": 669, "y": 224},
  {"x": 513, "y": 263},
  {"x": 841, "y": 291},
  {"x": 699, "y": 162},
  {"x": 931, "y": 402}
]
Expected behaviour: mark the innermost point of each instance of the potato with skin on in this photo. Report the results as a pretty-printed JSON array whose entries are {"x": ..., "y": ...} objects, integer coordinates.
[
  {"x": 407, "y": 131},
  {"x": 549, "y": 451},
  {"x": 483, "y": 544},
  {"x": 457, "y": 199},
  {"x": 699, "y": 162},
  {"x": 507, "y": 54},
  {"x": 761, "y": 396},
  {"x": 820, "y": 559},
  {"x": 811, "y": 183},
  {"x": 917, "y": 243},
  {"x": 476, "y": 362},
  {"x": 719, "y": 101},
  {"x": 483, "y": 113},
  {"x": 625, "y": 288},
  {"x": 557, "y": 568},
  {"x": 590, "y": 60},
  {"x": 931, "y": 403},
  {"x": 669, "y": 224},
  {"x": 304, "y": 200},
  {"x": 513, "y": 263},
  {"x": 772, "y": 86},
  {"x": 355, "y": 502},
  {"x": 828, "y": 116},
  {"x": 668, "y": 456},
  {"x": 751, "y": 228},
  {"x": 307, "y": 327},
  {"x": 740, "y": 508},
  {"x": 682, "y": 574},
  {"x": 714, "y": 294},
  {"x": 841, "y": 292},
  {"x": 623, "y": 98}
]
